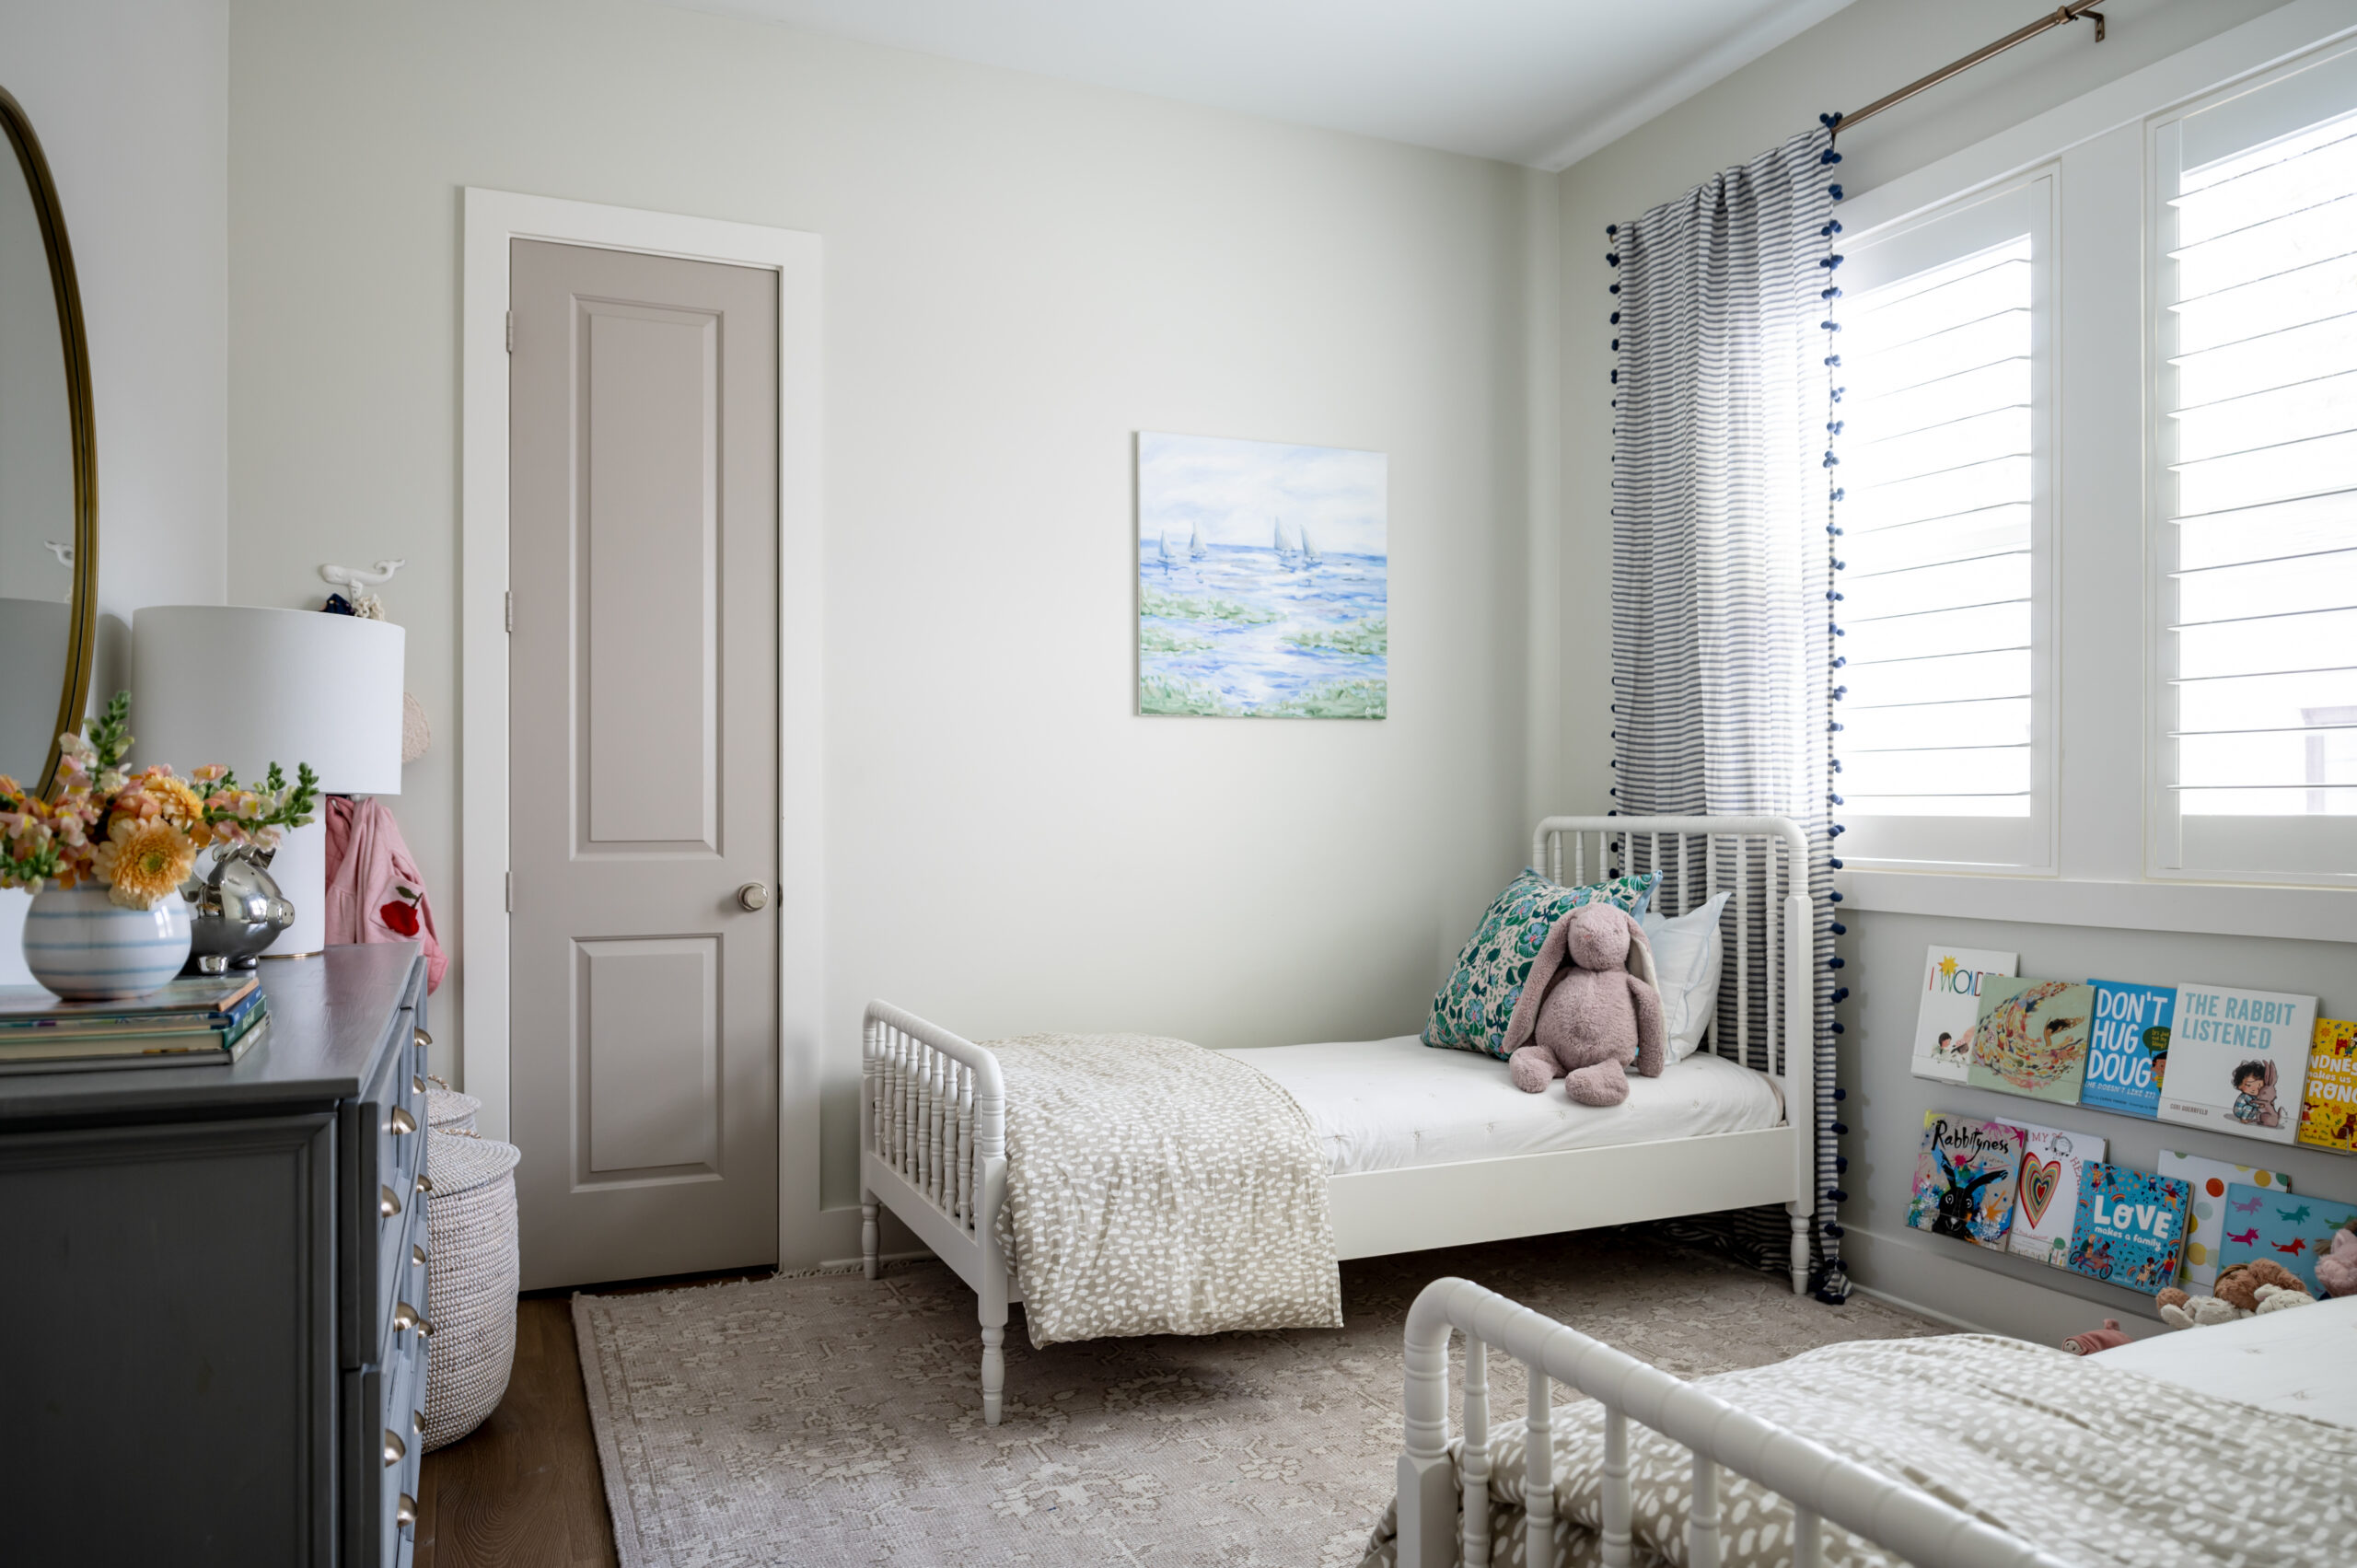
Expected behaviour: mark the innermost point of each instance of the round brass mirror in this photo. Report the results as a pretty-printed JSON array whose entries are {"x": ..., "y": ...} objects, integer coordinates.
[{"x": 49, "y": 471}]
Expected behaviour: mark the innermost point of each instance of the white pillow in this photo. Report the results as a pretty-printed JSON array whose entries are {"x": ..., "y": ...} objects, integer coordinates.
[{"x": 1687, "y": 955}]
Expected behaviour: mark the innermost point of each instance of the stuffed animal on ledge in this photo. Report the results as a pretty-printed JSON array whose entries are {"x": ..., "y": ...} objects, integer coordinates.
[
  {"x": 2337, "y": 1268},
  {"x": 2245, "y": 1289},
  {"x": 1588, "y": 1009}
]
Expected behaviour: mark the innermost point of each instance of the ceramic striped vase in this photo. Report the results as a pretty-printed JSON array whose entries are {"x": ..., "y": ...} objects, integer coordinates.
[{"x": 87, "y": 947}]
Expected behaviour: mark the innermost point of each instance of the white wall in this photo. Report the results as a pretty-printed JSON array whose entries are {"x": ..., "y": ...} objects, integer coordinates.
[
  {"x": 1871, "y": 47},
  {"x": 130, "y": 98},
  {"x": 1019, "y": 273}
]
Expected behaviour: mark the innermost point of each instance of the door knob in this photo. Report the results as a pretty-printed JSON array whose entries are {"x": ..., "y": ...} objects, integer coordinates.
[{"x": 753, "y": 896}]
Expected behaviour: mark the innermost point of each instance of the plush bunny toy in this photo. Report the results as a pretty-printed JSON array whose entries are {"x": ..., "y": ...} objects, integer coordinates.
[{"x": 1588, "y": 1009}]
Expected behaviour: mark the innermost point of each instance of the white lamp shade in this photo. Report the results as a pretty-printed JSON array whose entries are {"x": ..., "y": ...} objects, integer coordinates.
[{"x": 245, "y": 687}]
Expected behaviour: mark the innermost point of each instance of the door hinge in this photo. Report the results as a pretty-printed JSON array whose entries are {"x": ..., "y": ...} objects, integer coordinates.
[
  {"x": 508, "y": 895},
  {"x": 511, "y": 332},
  {"x": 508, "y": 611}
]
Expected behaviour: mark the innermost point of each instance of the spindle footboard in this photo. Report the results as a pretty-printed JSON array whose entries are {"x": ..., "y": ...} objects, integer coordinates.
[{"x": 1443, "y": 1509}]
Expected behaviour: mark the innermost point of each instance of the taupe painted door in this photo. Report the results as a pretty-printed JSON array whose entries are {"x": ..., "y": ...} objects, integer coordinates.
[{"x": 643, "y": 517}]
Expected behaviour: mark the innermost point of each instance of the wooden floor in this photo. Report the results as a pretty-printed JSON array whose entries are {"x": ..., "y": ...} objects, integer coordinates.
[{"x": 524, "y": 1490}]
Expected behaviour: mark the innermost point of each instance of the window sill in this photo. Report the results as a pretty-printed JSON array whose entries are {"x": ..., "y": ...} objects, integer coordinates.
[{"x": 2311, "y": 914}]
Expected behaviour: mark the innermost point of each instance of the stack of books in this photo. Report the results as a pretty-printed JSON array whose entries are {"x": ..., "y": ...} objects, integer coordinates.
[{"x": 197, "y": 1021}]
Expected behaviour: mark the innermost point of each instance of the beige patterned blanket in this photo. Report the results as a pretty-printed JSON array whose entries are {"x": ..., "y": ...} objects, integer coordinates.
[
  {"x": 1157, "y": 1188},
  {"x": 2095, "y": 1464}
]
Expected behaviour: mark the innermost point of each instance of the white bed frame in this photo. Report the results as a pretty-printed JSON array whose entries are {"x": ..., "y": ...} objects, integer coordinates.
[
  {"x": 933, "y": 1132},
  {"x": 1444, "y": 1519}
]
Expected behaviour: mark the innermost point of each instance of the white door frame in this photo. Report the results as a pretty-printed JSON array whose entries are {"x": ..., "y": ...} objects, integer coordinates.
[{"x": 492, "y": 219}]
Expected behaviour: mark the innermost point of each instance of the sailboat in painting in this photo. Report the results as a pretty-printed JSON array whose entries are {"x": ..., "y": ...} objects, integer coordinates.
[{"x": 1243, "y": 610}]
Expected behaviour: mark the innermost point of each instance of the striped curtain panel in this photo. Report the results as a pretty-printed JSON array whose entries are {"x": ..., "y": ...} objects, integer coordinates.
[{"x": 1723, "y": 600}]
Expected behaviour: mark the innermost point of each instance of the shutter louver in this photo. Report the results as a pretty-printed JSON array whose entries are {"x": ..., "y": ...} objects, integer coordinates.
[
  {"x": 2260, "y": 338},
  {"x": 1937, "y": 456}
]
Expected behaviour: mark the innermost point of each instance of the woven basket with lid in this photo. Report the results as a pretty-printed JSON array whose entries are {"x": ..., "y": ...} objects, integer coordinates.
[
  {"x": 448, "y": 1110},
  {"x": 470, "y": 1274}
]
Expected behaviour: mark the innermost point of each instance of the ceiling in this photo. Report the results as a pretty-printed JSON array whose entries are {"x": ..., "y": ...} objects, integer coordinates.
[{"x": 1537, "y": 82}]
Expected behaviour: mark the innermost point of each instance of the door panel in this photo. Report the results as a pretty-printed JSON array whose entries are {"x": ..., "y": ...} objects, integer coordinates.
[
  {"x": 650, "y": 639},
  {"x": 649, "y": 1010},
  {"x": 643, "y": 425}
]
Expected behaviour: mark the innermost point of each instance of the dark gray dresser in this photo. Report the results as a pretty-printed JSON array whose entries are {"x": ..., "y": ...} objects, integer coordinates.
[{"x": 211, "y": 1286}]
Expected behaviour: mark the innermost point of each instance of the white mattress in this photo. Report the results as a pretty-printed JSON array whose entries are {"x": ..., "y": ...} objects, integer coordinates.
[
  {"x": 1390, "y": 1104},
  {"x": 2302, "y": 1362}
]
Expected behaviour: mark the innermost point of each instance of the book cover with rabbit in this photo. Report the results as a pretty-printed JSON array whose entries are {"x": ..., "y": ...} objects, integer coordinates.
[
  {"x": 2046, "y": 1191},
  {"x": 1964, "y": 1178},
  {"x": 2129, "y": 1229},
  {"x": 2239, "y": 1061}
]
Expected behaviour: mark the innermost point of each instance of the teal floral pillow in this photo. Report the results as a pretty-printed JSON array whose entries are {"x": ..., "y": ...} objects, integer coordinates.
[{"x": 1472, "y": 1010}]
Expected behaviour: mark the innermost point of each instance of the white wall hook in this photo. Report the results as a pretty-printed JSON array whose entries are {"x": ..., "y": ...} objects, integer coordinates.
[{"x": 61, "y": 548}]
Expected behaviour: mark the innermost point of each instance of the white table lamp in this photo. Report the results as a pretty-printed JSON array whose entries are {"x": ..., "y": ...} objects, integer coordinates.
[{"x": 245, "y": 688}]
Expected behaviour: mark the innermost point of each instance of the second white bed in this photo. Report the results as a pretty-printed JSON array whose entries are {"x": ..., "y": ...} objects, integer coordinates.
[{"x": 1398, "y": 1104}]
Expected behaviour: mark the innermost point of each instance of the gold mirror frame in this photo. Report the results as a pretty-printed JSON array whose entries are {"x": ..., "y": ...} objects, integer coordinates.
[{"x": 83, "y": 617}]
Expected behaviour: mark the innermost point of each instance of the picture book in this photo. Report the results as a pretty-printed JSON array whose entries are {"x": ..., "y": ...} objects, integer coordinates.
[
  {"x": 2129, "y": 1229},
  {"x": 2329, "y": 1103},
  {"x": 1947, "y": 1007},
  {"x": 2128, "y": 1047},
  {"x": 2293, "y": 1231},
  {"x": 2046, "y": 1191},
  {"x": 2237, "y": 1060},
  {"x": 1964, "y": 1178},
  {"x": 2206, "y": 1225},
  {"x": 2031, "y": 1038}
]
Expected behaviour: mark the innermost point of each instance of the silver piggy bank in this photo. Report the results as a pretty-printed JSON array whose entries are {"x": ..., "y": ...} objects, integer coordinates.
[{"x": 235, "y": 911}]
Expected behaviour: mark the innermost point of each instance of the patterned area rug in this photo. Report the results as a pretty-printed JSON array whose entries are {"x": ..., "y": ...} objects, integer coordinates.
[{"x": 830, "y": 1420}]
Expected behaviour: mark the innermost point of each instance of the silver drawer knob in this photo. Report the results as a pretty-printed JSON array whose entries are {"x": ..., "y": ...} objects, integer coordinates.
[
  {"x": 402, "y": 1121},
  {"x": 405, "y": 1317},
  {"x": 753, "y": 897},
  {"x": 423, "y": 1038},
  {"x": 417, "y": 1423},
  {"x": 424, "y": 1182},
  {"x": 417, "y": 1256},
  {"x": 395, "y": 1449},
  {"x": 405, "y": 1509},
  {"x": 388, "y": 1202}
]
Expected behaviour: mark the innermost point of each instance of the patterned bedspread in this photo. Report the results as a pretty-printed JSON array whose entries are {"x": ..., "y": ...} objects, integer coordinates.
[
  {"x": 1157, "y": 1188},
  {"x": 2095, "y": 1464}
]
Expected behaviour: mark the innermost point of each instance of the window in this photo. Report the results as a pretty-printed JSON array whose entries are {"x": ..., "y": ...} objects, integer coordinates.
[
  {"x": 2254, "y": 484},
  {"x": 1944, "y": 450}
]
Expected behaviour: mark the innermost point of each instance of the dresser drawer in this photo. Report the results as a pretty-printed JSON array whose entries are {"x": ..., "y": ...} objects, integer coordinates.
[
  {"x": 387, "y": 1400},
  {"x": 387, "y": 1128}
]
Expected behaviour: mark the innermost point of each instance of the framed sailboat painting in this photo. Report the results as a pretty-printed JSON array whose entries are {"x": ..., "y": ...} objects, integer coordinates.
[{"x": 1262, "y": 579}]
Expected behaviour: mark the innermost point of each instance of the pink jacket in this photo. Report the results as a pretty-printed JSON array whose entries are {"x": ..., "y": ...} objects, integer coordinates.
[{"x": 367, "y": 865}]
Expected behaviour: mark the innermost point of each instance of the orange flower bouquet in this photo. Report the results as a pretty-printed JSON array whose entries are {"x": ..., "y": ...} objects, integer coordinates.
[{"x": 136, "y": 835}]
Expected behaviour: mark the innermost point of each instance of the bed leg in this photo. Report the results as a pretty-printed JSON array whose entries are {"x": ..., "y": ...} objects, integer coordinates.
[
  {"x": 993, "y": 1370},
  {"x": 992, "y": 1312},
  {"x": 1800, "y": 1249},
  {"x": 868, "y": 1232}
]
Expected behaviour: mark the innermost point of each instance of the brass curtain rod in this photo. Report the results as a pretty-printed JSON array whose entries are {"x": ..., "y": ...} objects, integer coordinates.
[{"x": 2060, "y": 16}]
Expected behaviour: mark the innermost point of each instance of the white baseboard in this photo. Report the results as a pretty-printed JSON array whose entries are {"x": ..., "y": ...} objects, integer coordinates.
[{"x": 1987, "y": 1293}]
